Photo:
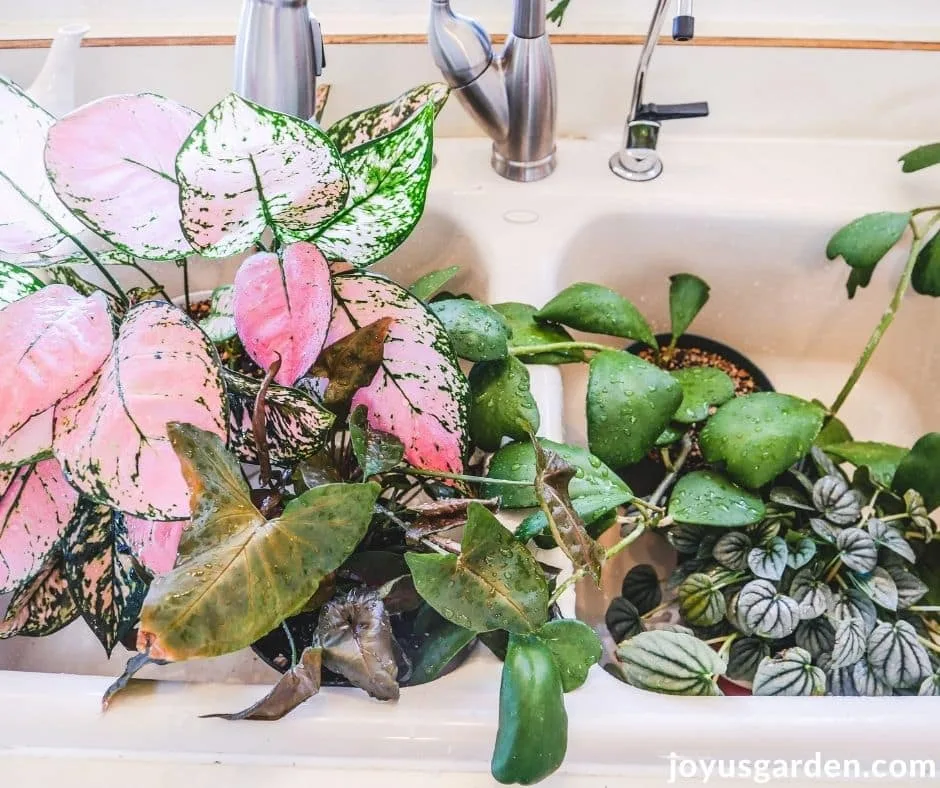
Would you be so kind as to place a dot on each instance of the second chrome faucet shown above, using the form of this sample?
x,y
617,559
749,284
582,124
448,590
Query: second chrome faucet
x,y
511,95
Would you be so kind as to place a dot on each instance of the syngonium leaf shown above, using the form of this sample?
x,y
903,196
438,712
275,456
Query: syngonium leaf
x,y
427,285
591,307
896,655
296,425
629,404
881,459
552,477
388,185
16,283
294,687
501,403
245,169
687,295
282,307
526,331
219,323
350,363
919,470
477,331
759,436
575,648
495,583
767,612
708,498
111,436
702,388
376,451
112,162
789,673
672,663
356,637
641,586
208,605
863,242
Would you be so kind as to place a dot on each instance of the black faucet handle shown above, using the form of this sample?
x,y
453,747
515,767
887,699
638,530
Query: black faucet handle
x,y
658,112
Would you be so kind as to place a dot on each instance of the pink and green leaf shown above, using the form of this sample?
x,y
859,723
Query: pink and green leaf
x,y
282,306
29,443
155,543
111,434
419,394
54,340
245,169
113,163
35,510
16,283
42,605
219,324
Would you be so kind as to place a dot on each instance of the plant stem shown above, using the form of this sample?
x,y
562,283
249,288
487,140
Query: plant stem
x,y
925,609
259,423
556,347
726,646
462,477
670,479
658,609
920,238
293,645
929,644
622,545
184,264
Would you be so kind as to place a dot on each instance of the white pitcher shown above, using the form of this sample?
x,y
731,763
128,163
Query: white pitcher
x,y
54,87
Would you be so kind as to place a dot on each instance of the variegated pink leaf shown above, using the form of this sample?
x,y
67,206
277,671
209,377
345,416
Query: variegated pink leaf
x,y
53,341
16,283
419,393
35,511
43,604
283,307
245,168
155,543
111,434
29,443
33,219
113,162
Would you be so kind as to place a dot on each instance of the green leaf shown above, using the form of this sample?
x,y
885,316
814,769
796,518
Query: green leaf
x,y
745,656
858,278
833,431
700,601
850,643
526,331
16,283
857,550
376,451
629,404
890,538
791,672
388,185
494,583
427,285
920,157
812,595
477,331
641,586
925,278
930,687
708,498
687,295
42,605
444,642
769,560
759,436
622,619
816,636
501,403
599,310
767,612
896,655
208,605
878,586
852,603
702,387
920,470
864,241
669,436
881,459
294,687
575,648
219,323
671,663
732,549
800,550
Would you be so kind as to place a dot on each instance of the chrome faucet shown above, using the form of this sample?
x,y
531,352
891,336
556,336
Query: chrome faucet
x,y
637,159
512,95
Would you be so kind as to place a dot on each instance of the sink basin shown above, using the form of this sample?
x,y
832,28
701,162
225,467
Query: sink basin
x,y
753,219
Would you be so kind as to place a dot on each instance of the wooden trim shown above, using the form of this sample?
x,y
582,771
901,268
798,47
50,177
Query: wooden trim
x,y
563,39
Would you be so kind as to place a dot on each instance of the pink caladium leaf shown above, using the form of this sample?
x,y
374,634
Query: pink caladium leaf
x,y
155,543
111,434
54,340
29,443
113,163
419,393
282,308
245,169
35,510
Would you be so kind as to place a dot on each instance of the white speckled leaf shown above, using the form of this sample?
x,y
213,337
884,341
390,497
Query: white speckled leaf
x,y
369,124
388,184
16,283
53,341
219,324
297,426
42,605
419,394
35,510
112,162
245,168
111,434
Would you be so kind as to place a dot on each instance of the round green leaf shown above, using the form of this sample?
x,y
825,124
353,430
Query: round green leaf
x,y
881,459
477,331
890,538
878,586
732,549
702,387
444,642
852,603
623,620
501,403
629,404
816,635
687,295
526,331
575,648
920,470
789,673
700,602
745,656
863,242
599,310
708,498
896,656
769,560
672,663
925,278
857,550
641,587
812,596
759,436
766,612
850,643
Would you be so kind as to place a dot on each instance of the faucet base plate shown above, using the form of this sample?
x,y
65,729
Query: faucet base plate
x,y
523,171
653,168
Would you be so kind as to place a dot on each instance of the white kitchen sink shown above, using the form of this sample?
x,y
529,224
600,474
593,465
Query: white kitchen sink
x,y
753,219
